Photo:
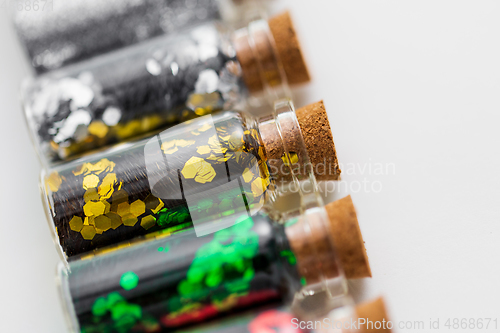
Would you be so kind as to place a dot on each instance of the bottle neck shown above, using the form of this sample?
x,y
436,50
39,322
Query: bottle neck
x,y
261,66
318,262
284,145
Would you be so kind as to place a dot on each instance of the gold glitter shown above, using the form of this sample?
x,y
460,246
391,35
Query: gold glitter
x,y
103,165
172,146
129,129
203,111
247,175
123,209
257,187
202,150
129,220
219,158
89,220
202,129
153,203
151,122
107,206
195,99
199,169
54,181
255,134
76,224
214,144
116,220
90,181
106,188
236,142
148,222
92,208
137,208
88,232
102,222
294,158
98,128
119,196
91,195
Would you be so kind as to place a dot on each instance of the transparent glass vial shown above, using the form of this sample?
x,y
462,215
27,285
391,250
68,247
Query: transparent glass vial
x,y
59,33
149,86
202,174
174,282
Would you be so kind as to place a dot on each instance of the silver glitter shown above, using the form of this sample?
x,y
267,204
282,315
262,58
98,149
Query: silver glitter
x,y
175,68
153,67
72,123
111,116
76,30
207,82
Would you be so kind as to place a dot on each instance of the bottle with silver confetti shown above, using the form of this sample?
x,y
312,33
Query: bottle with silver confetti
x,y
201,174
153,85
58,33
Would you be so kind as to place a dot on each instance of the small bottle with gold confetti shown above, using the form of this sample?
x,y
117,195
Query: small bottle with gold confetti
x,y
201,174
147,87
182,280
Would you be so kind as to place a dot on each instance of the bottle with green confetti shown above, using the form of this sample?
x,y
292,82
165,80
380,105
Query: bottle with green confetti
x,y
177,281
202,174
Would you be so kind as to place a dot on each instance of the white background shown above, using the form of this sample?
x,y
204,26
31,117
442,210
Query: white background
x,y
413,84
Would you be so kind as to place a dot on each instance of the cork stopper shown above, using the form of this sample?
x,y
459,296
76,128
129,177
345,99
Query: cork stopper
x,y
348,239
289,49
318,138
315,253
375,312
259,59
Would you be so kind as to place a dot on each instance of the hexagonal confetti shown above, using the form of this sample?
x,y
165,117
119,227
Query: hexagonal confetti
x,y
153,203
76,224
148,222
92,208
129,220
91,195
90,181
88,232
102,222
116,220
137,208
123,209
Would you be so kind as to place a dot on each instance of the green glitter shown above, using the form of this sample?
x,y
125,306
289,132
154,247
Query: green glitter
x,y
231,251
303,281
124,314
129,280
290,256
100,307
291,222
164,249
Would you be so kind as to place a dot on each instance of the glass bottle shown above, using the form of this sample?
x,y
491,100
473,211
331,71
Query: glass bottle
x,y
203,173
152,85
67,32
177,281
278,318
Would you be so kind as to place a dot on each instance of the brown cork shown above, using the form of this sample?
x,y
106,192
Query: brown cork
x,y
314,251
319,150
259,63
374,312
289,49
318,138
348,239
316,246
